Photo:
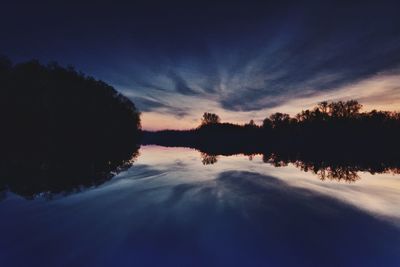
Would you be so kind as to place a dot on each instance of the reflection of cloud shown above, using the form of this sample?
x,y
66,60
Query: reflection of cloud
x,y
266,218
377,195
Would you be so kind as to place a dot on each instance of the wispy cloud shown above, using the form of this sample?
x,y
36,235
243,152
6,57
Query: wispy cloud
x,y
283,58
181,86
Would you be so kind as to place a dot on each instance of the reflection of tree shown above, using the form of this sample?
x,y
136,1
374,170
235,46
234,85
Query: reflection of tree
x,y
324,171
338,173
333,140
208,159
345,173
274,160
332,169
61,176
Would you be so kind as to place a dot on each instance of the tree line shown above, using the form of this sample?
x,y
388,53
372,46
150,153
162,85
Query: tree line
x,y
324,112
333,124
335,136
61,129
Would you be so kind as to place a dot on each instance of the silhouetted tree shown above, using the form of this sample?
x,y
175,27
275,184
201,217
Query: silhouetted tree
x,y
333,140
5,64
267,123
55,119
323,107
251,125
279,119
343,109
210,118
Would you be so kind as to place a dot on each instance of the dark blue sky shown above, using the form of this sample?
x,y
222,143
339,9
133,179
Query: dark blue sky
x,y
242,60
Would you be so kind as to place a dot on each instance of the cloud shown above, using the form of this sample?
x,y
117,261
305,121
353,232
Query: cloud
x,y
317,66
381,91
150,85
234,58
153,105
303,53
147,104
181,85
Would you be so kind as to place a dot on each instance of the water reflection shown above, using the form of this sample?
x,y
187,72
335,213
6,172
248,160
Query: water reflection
x,y
208,159
325,168
47,178
374,190
169,209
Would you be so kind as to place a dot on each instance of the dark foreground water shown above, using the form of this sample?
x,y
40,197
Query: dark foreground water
x,y
169,209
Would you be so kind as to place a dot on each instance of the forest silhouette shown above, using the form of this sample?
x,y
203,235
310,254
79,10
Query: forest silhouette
x,y
334,140
61,129
64,131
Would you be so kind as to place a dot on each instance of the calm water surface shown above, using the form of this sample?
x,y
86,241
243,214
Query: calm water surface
x,y
169,209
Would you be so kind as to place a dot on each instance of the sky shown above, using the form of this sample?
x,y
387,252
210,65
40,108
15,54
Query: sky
x,y
240,59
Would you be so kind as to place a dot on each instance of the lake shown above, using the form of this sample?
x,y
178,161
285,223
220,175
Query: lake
x,y
179,207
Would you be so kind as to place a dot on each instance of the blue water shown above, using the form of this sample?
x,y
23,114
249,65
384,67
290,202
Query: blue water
x,y
169,209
